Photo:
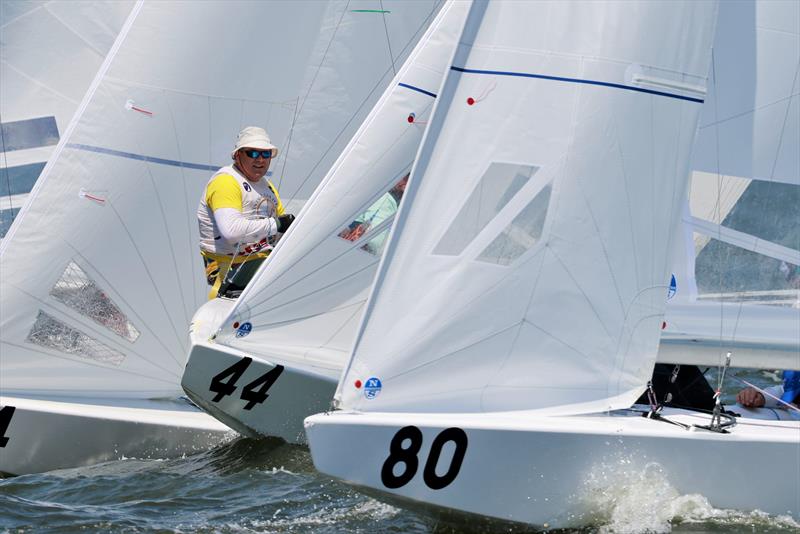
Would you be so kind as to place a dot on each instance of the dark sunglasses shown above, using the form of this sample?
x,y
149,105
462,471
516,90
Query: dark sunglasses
x,y
253,154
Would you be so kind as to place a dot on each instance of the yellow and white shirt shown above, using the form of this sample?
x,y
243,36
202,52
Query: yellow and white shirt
x,y
234,211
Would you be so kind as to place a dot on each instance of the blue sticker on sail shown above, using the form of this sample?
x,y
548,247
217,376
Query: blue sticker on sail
x,y
244,329
372,387
673,287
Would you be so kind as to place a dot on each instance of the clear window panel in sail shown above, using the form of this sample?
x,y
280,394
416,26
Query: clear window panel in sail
x,y
494,190
78,291
521,234
379,211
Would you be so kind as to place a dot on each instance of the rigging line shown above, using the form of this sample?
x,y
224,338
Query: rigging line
x,y
388,41
5,165
653,197
783,128
104,338
717,210
119,298
322,61
748,112
85,361
288,145
360,106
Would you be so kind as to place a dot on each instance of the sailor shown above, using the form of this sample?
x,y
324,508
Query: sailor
x,y
240,214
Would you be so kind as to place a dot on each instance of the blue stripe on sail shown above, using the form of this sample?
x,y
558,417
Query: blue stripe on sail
x,y
577,80
417,89
141,157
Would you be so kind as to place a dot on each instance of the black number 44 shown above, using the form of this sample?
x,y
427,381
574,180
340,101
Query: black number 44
x,y
224,383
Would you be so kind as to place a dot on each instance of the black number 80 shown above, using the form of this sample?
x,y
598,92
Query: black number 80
x,y
408,456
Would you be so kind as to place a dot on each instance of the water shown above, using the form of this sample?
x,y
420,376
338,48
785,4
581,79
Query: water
x,y
269,486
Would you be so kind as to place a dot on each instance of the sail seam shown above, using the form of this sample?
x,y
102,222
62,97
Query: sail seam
x,y
142,157
578,81
417,89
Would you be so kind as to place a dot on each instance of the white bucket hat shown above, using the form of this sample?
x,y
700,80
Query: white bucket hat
x,y
254,137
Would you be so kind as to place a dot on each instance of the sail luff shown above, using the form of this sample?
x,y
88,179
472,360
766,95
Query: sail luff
x,y
432,131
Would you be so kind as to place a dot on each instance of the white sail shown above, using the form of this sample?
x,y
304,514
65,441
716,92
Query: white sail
x,y
736,266
307,301
101,273
49,55
528,264
528,269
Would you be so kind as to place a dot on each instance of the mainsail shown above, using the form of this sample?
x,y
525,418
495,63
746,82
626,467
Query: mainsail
x,y
101,272
49,55
529,261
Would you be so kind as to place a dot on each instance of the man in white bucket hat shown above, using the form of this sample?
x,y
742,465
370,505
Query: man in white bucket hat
x,y
240,214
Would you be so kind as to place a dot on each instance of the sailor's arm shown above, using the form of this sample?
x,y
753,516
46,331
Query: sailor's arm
x,y
235,228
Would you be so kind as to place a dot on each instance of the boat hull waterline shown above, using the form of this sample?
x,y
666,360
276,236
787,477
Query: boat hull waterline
x,y
42,435
543,471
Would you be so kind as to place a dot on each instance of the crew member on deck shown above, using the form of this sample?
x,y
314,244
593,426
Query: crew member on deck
x,y
240,214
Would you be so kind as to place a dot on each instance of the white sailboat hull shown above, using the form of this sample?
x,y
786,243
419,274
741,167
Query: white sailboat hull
x,y
534,469
293,391
47,434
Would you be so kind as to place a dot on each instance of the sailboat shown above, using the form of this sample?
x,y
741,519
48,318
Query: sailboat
x,y
510,331
303,311
265,361
100,272
739,240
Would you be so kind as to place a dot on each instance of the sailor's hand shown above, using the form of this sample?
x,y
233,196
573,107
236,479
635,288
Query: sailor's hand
x,y
750,398
284,222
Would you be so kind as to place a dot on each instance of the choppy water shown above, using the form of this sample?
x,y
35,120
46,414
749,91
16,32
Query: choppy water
x,y
268,486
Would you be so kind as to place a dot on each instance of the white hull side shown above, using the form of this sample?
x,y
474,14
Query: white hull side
x,y
44,435
298,391
534,469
